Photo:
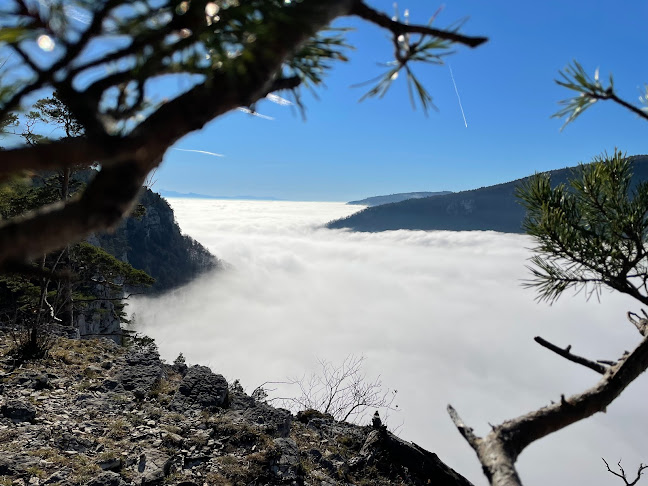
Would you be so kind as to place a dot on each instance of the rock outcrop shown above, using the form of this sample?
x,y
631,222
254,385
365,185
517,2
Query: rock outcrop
x,y
200,389
151,240
104,415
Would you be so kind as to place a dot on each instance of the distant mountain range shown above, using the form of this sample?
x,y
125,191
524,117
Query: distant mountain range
x,y
394,198
488,208
193,195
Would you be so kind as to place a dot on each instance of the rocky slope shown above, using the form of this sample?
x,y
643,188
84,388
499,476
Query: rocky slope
x,y
98,414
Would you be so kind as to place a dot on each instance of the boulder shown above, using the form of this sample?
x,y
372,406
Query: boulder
x,y
201,389
275,421
393,456
153,466
18,411
15,464
142,372
107,479
286,466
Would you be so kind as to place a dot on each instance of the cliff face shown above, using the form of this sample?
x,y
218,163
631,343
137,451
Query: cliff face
x,y
151,240
98,414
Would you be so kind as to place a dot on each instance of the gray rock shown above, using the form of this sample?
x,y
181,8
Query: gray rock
x,y
192,461
153,466
277,421
111,464
42,382
14,464
57,478
107,479
18,411
73,442
109,384
142,372
286,467
201,389
386,452
239,400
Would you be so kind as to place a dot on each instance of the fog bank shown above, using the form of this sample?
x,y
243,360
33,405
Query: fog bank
x,y
441,316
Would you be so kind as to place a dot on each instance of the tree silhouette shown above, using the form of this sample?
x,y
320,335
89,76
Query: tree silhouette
x,y
233,54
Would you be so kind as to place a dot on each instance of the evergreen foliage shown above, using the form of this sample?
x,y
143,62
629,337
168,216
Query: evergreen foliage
x,y
590,233
60,286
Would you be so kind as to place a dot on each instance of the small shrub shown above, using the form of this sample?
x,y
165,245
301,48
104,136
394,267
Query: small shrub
x,y
32,342
117,429
35,471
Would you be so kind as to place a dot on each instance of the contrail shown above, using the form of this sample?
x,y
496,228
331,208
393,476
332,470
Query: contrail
x,y
199,152
458,97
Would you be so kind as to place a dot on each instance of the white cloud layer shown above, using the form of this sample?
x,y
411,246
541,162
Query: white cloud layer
x,y
441,316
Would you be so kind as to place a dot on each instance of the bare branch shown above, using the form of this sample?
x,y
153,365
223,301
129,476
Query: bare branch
x,y
93,299
284,84
641,323
464,430
68,152
364,11
565,353
621,474
342,391
499,450
611,95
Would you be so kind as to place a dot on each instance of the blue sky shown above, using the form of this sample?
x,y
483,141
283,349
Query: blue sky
x,y
347,150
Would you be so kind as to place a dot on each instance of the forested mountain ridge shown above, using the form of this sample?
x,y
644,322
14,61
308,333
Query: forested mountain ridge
x,y
493,208
392,198
151,240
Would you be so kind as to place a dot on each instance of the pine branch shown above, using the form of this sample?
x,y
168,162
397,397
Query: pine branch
x,y
365,12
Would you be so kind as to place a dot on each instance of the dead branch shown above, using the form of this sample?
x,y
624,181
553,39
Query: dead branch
x,y
565,353
641,323
622,474
499,450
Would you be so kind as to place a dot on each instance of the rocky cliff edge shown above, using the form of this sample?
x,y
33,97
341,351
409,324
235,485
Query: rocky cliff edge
x,y
97,414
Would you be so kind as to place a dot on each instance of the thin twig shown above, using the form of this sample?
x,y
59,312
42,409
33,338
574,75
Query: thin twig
x,y
565,353
622,473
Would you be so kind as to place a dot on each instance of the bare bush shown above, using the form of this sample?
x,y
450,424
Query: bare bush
x,y
622,474
343,391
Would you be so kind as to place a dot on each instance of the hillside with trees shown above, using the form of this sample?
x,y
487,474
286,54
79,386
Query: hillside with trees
x,y
494,208
82,289
151,240
394,198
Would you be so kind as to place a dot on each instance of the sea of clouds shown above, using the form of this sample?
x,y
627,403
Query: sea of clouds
x,y
441,316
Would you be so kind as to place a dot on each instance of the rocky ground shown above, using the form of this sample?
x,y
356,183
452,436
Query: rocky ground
x,y
94,413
